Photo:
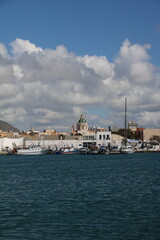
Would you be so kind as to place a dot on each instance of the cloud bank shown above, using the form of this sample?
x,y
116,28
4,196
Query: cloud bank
x,y
50,88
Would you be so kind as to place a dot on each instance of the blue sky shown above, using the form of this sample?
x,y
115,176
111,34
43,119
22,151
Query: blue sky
x,y
84,26
89,30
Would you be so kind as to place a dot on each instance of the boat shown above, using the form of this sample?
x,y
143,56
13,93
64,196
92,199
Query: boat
x,y
103,150
93,150
127,149
114,149
84,150
67,150
31,150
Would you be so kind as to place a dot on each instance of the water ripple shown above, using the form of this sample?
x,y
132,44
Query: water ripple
x,y
80,197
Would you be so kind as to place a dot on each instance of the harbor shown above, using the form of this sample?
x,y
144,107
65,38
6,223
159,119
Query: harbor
x,y
83,140
76,147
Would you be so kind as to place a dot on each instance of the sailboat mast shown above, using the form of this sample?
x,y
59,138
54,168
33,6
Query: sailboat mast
x,y
125,130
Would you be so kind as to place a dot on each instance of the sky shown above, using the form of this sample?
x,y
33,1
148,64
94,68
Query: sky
x,y
63,58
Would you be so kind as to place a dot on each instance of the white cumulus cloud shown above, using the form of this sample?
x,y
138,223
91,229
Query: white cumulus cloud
x,y
19,46
44,88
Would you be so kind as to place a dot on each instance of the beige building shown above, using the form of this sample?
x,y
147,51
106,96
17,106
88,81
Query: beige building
x,y
49,132
8,134
149,133
116,137
3,133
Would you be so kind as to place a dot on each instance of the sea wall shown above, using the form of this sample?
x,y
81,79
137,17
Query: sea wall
x,y
52,144
9,142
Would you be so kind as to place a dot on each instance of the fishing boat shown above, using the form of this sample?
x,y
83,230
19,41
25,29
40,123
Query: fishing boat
x,y
31,150
67,150
93,150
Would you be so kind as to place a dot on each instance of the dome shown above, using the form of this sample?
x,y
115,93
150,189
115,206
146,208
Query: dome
x,y
82,119
82,124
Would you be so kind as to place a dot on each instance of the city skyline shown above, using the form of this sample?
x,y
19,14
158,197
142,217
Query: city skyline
x,y
60,59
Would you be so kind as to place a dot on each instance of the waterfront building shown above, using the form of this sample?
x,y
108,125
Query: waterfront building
x,y
117,138
97,139
150,133
92,136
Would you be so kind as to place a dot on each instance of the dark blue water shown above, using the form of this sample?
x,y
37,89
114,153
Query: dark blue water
x,y
57,197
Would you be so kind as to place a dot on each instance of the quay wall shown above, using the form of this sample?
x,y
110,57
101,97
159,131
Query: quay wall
x,y
6,142
52,144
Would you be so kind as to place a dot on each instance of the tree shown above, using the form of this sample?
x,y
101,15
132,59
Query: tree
x,y
130,134
155,138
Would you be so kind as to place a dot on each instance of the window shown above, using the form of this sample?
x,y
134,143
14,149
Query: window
x,y
107,137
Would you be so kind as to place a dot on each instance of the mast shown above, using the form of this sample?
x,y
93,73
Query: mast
x,y
125,129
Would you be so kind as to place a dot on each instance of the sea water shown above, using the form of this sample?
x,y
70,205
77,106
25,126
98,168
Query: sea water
x,y
80,197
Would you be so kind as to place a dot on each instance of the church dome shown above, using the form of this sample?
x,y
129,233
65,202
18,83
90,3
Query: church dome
x,y
82,119
82,124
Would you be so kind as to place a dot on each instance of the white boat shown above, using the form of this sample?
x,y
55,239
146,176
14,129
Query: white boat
x,y
127,149
84,150
31,150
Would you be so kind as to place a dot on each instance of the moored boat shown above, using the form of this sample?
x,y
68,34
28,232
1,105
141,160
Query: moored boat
x,y
93,150
127,149
103,150
31,150
67,150
84,150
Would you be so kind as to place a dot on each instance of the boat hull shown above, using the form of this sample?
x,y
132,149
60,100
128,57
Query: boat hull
x,y
127,150
65,151
31,152
93,152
